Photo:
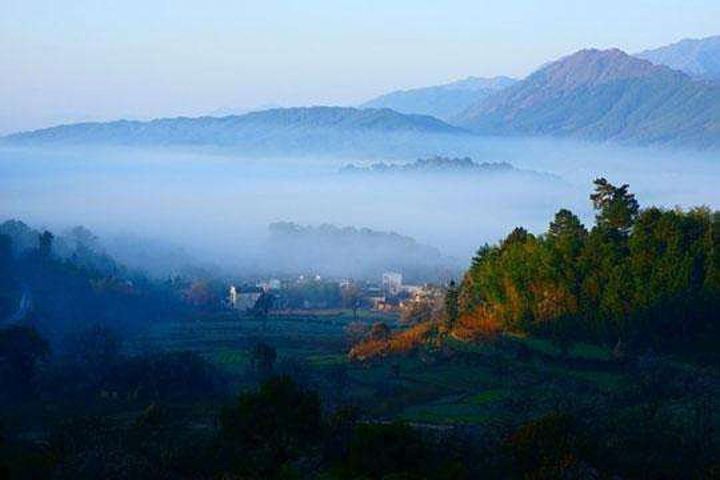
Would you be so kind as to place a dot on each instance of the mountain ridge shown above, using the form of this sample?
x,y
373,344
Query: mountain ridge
x,y
442,101
603,95
699,58
236,128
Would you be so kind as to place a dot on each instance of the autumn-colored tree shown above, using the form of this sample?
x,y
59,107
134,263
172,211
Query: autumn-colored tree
x,y
651,275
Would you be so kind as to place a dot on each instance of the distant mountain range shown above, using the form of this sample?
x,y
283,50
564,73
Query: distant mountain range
x,y
603,95
236,128
597,95
442,101
292,129
699,58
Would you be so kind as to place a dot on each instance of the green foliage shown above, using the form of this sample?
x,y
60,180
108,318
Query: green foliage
x,y
95,346
263,305
268,429
262,360
549,448
21,349
451,304
45,243
4,470
377,450
397,451
617,208
651,276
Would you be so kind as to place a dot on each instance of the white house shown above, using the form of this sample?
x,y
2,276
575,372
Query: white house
x,y
392,283
243,298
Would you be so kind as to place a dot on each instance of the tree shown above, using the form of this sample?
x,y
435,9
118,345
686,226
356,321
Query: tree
x,y
518,236
420,310
6,251
387,451
6,262
45,244
21,349
650,276
262,306
94,350
356,332
452,309
262,360
351,298
550,447
265,430
380,331
4,470
95,345
566,226
617,207
199,294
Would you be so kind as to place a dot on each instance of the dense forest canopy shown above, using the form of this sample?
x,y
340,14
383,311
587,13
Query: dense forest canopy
x,y
638,275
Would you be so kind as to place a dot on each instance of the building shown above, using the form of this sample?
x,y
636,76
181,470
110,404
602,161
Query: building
x,y
271,285
392,283
243,298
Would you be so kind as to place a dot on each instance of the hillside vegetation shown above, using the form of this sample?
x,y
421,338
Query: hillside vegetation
x,y
638,278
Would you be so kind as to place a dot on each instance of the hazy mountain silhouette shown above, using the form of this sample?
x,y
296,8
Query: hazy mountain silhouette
x,y
699,58
604,95
441,101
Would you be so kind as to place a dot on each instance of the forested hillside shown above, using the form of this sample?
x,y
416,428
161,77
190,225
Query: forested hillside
x,y
637,279
644,276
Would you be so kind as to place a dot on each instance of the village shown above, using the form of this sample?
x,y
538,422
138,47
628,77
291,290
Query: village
x,y
408,303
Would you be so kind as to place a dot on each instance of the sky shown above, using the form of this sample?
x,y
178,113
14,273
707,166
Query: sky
x,y
76,60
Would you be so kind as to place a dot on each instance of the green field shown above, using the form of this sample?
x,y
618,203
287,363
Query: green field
x,y
488,385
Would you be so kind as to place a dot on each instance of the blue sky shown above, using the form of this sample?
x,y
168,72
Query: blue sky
x,y
70,60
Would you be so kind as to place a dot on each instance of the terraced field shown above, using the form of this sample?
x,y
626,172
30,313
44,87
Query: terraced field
x,y
493,385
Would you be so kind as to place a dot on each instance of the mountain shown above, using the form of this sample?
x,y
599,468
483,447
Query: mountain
x,y
311,129
699,58
443,101
604,96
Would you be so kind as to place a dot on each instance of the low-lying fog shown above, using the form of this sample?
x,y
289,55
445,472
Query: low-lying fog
x,y
217,205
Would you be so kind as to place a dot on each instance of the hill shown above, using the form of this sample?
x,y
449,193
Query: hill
x,y
441,101
360,253
699,58
604,96
434,166
291,130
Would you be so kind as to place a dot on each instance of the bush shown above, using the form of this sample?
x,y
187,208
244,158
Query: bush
x,y
269,428
21,350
